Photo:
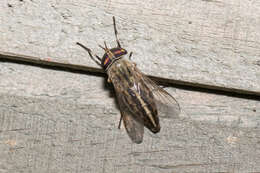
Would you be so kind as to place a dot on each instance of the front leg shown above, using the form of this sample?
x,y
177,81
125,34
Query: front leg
x,y
108,80
119,125
130,55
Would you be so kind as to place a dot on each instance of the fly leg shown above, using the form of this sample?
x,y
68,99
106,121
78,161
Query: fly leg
x,y
130,55
119,125
108,80
97,60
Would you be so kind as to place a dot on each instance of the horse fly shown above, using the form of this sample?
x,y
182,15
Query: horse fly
x,y
139,98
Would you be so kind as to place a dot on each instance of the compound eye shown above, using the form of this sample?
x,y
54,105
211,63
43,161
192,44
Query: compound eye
x,y
123,51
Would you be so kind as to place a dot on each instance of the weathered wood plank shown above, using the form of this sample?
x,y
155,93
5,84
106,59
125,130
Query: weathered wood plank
x,y
53,121
209,42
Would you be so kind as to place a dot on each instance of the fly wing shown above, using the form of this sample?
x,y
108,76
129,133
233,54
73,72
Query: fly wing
x,y
134,127
166,104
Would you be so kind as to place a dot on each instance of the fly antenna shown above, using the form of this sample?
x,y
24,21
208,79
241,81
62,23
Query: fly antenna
x,y
104,48
105,45
90,54
116,33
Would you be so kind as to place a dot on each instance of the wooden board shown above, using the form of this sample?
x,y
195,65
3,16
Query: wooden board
x,y
54,121
199,41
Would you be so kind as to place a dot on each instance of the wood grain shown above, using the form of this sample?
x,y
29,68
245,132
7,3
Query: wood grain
x,y
72,137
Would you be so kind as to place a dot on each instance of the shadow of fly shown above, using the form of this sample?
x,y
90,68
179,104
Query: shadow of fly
x,y
140,99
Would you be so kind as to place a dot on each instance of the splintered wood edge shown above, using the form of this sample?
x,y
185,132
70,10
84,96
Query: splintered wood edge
x,y
7,56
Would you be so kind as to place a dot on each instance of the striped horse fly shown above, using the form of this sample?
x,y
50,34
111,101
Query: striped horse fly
x,y
139,98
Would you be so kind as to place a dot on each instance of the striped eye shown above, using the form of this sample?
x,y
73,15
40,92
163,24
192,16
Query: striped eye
x,y
106,60
117,53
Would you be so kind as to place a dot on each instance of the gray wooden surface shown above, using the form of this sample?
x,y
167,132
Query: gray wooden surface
x,y
214,42
56,121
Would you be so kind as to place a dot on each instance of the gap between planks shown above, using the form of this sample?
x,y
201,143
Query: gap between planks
x,y
46,63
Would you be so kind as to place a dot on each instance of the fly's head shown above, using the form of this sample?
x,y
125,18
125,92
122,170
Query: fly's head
x,y
110,56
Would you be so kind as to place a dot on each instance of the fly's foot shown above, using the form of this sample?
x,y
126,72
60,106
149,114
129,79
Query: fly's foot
x,y
130,55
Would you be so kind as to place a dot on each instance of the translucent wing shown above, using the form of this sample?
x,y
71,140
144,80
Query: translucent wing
x,y
166,104
134,127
